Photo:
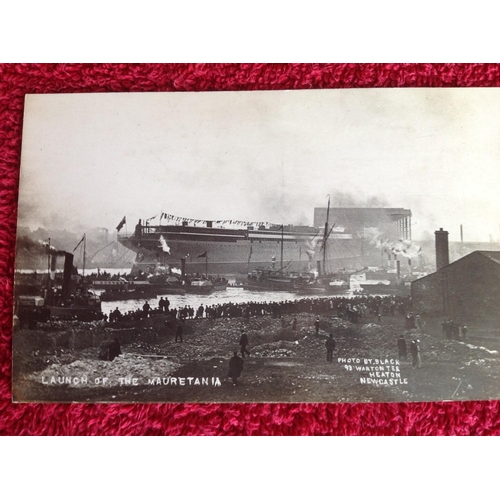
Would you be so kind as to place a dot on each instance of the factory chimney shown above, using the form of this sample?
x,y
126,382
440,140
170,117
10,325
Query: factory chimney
x,y
442,251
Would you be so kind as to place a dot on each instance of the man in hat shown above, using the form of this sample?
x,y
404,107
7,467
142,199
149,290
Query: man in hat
x,y
235,368
415,354
316,325
330,347
178,332
243,344
402,348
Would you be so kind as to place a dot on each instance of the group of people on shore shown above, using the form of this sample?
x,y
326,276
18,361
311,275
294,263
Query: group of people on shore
x,y
454,330
349,308
415,351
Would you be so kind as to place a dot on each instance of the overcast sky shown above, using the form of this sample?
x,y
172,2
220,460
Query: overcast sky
x,y
90,159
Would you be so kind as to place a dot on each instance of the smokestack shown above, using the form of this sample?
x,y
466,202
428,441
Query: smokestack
x,y
68,271
183,268
318,263
442,251
461,234
398,270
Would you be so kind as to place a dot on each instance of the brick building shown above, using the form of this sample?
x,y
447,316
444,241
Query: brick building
x,y
467,290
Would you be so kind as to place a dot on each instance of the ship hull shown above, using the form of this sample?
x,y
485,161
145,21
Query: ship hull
x,y
241,251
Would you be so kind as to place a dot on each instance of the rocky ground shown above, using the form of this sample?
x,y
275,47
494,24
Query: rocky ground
x,y
61,362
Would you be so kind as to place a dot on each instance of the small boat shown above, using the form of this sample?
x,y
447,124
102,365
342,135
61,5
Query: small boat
x,y
220,284
324,286
203,285
268,279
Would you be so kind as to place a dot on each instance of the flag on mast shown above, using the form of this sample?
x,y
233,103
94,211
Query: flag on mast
x,y
204,254
122,223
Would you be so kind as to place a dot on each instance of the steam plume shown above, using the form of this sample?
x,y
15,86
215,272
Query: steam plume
x,y
164,245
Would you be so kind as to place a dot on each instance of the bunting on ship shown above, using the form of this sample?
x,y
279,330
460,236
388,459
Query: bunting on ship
x,y
175,218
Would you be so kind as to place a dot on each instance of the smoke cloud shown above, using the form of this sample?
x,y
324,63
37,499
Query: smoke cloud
x,y
404,248
346,199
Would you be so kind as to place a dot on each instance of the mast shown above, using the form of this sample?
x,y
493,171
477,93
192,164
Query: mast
x,y
84,248
281,265
48,265
325,237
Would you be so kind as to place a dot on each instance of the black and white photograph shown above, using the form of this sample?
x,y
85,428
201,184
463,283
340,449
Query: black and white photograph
x,y
337,245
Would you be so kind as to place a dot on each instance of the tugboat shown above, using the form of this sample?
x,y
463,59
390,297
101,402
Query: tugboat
x,y
269,279
262,279
71,300
163,284
391,284
326,285
201,284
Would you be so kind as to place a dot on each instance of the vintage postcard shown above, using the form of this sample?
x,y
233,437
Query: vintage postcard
x,y
280,246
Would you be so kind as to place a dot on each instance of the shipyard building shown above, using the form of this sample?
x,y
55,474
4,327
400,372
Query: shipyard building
x,y
467,290
393,222
373,227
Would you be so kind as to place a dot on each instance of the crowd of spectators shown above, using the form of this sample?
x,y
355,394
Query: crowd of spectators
x,y
349,308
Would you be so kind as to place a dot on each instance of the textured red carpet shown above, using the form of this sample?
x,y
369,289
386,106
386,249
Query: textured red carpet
x,y
16,80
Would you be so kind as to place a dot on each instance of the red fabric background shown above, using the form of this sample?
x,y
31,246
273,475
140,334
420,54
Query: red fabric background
x,y
16,80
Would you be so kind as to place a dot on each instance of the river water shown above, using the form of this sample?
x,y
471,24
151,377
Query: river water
x,y
231,294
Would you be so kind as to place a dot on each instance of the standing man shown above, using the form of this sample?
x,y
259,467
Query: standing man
x,y
415,354
243,344
330,347
419,357
178,332
419,322
294,324
161,304
316,325
402,348
235,368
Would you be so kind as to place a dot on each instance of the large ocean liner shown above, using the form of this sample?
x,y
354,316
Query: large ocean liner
x,y
232,247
